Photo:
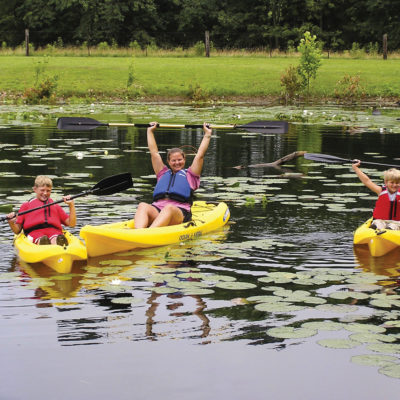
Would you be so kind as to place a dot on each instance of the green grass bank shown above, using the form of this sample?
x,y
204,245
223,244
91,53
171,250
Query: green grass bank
x,y
195,78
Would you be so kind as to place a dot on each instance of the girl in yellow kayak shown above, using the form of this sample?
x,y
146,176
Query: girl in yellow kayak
x,y
173,194
386,214
43,226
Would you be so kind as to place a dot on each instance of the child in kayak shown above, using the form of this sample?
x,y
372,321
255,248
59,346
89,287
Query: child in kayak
x,y
172,197
386,214
43,226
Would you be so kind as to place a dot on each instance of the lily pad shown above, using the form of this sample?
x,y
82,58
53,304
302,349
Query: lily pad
x,y
235,285
372,338
115,262
288,332
323,325
364,328
377,360
393,348
391,370
278,307
338,343
127,300
335,308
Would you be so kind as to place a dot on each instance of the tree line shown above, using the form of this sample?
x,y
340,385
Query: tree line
x,y
235,24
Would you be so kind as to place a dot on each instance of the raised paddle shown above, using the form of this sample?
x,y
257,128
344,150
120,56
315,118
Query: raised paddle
x,y
325,158
109,185
87,124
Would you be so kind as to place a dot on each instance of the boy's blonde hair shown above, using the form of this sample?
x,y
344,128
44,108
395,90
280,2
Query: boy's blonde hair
x,y
42,180
391,174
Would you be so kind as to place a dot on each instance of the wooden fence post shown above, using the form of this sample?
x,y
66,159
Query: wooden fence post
x,y
207,42
384,46
27,42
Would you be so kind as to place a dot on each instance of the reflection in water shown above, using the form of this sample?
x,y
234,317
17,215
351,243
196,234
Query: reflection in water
x,y
388,265
286,261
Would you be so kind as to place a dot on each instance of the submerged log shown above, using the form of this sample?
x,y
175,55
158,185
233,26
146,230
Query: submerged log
x,y
276,163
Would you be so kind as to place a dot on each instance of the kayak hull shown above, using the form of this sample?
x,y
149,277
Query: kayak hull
x,y
121,236
379,242
58,258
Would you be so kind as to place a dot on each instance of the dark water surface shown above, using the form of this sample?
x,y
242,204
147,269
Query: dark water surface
x,y
278,304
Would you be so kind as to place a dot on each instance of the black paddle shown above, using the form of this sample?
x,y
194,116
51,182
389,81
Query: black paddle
x,y
325,158
109,185
87,124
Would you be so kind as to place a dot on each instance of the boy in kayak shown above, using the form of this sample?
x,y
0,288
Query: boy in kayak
x,y
43,226
386,213
173,194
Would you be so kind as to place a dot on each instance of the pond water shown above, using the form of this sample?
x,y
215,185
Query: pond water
x,y
277,304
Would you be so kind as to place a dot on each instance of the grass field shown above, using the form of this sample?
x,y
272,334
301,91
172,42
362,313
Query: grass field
x,y
223,77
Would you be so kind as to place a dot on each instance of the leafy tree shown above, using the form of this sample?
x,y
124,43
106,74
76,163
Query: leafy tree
x,y
310,59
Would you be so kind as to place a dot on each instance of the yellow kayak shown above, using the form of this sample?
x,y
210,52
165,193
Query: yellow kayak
x,y
59,258
121,236
379,242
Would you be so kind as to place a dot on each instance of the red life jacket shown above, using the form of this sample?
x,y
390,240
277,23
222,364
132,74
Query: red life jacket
x,y
46,217
386,209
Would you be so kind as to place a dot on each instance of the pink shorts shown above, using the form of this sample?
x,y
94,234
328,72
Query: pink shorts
x,y
35,235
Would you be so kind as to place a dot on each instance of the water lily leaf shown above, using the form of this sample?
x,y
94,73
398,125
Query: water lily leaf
x,y
338,343
163,290
278,307
335,308
278,274
115,262
127,300
342,295
392,324
362,328
372,338
323,325
197,291
391,370
288,332
377,360
268,279
110,270
115,288
309,282
9,276
193,275
264,299
235,285
393,348
186,284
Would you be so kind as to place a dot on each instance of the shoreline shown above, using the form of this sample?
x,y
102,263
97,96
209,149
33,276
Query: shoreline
x,y
268,100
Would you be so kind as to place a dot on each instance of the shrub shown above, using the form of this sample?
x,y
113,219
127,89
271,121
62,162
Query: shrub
x,y
199,49
356,51
197,94
291,83
44,91
103,46
349,88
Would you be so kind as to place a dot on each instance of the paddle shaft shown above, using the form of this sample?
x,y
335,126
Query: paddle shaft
x,y
333,159
83,123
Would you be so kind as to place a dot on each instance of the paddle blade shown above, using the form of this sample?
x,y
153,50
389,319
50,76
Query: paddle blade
x,y
326,158
113,184
78,123
266,127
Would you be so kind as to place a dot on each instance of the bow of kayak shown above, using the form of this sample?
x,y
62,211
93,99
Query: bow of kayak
x,y
121,236
58,258
380,242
